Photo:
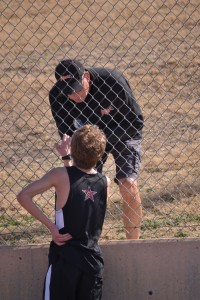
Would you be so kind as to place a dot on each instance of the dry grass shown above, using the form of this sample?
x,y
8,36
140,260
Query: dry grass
x,y
156,46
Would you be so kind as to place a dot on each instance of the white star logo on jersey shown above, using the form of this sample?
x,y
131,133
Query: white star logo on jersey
x,y
89,194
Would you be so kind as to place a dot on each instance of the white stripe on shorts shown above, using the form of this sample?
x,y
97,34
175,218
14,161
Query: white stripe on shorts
x,y
47,284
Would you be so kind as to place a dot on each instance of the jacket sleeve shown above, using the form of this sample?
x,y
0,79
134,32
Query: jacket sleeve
x,y
124,101
59,112
127,113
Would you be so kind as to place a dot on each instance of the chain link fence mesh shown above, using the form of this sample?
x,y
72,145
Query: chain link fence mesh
x,y
155,44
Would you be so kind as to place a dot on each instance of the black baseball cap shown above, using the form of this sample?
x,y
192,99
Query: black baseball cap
x,y
74,71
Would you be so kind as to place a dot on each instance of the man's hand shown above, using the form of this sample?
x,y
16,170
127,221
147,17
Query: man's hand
x,y
107,110
64,147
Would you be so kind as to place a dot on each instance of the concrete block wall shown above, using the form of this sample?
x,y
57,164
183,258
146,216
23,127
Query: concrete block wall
x,y
134,270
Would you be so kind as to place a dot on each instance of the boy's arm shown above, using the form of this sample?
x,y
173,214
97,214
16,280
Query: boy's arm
x,y
64,149
25,198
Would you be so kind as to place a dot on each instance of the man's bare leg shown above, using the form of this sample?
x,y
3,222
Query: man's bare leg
x,y
132,208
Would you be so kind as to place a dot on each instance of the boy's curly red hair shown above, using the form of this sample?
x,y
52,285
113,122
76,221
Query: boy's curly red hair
x,y
87,146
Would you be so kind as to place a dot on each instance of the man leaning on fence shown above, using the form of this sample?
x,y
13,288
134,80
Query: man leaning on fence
x,y
103,97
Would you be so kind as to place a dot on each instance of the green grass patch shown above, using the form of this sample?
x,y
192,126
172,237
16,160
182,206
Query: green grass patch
x,y
6,221
170,221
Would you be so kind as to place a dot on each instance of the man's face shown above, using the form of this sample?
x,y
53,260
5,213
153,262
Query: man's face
x,y
81,95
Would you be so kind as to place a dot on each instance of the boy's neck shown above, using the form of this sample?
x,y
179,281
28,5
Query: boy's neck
x,y
88,171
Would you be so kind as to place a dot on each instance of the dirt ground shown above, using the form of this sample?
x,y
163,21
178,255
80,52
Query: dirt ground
x,y
156,46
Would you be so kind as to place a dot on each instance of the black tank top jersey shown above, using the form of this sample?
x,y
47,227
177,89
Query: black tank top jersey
x,y
83,217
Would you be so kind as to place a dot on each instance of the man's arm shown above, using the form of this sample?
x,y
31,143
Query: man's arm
x,y
108,186
25,198
59,112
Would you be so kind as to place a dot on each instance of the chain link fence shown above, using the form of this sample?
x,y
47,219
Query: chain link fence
x,y
155,44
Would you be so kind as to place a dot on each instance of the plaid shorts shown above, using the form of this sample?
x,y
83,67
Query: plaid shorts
x,y
127,156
